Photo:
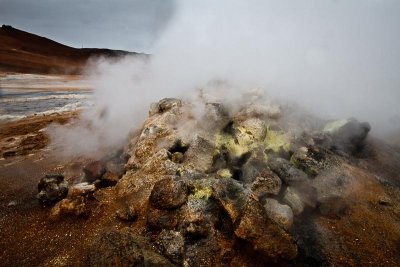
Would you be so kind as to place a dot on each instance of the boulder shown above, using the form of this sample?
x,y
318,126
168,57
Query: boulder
x,y
266,183
280,213
263,234
93,171
52,188
168,193
231,196
200,153
293,200
289,174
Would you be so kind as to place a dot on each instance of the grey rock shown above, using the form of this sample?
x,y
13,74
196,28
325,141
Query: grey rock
x,y
289,174
52,188
280,213
200,154
293,200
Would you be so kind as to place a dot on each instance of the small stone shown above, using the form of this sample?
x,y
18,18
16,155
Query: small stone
x,y
12,203
385,201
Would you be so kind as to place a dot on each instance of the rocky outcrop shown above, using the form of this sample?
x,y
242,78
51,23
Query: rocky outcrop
x,y
205,198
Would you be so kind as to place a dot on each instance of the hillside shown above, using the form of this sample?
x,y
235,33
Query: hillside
x,y
25,52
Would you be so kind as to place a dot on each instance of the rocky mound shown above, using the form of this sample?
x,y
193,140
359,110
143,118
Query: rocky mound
x,y
219,189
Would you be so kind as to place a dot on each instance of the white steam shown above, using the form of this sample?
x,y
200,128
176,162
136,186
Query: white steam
x,y
335,58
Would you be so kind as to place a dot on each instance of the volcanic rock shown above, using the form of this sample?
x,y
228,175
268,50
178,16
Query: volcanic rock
x,y
293,200
123,248
70,207
164,105
231,196
93,171
81,189
200,153
168,194
162,219
287,172
263,234
171,245
52,188
266,183
281,214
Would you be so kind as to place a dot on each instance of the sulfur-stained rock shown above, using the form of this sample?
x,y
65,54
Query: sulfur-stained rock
x,y
52,188
168,193
281,214
263,234
266,183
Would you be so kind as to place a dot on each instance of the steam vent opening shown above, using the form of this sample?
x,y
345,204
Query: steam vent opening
x,y
247,133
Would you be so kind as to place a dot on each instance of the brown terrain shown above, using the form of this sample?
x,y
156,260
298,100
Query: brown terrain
x,y
25,52
168,199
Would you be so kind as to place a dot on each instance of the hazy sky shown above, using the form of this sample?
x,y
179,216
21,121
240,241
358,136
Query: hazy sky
x,y
119,24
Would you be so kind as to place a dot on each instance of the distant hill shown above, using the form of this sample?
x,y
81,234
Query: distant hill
x,y
25,52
